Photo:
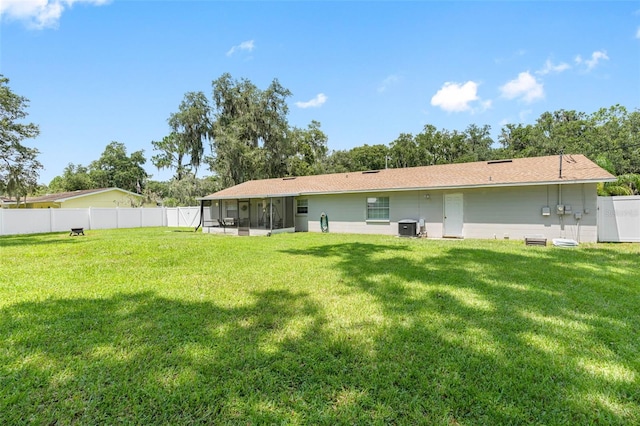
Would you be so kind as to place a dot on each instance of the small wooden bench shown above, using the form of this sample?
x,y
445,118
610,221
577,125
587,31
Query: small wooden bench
x,y
76,231
535,240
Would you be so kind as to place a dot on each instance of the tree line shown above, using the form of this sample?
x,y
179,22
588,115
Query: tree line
x,y
242,133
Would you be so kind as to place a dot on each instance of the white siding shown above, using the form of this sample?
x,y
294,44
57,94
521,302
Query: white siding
x,y
516,212
508,212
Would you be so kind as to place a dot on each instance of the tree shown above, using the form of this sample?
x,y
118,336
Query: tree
x,y
115,169
73,178
369,157
191,126
172,153
479,143
404,151
18,164
250,130
309,151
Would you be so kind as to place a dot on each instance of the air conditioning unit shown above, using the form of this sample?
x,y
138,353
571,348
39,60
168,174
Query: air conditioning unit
x,y
407,228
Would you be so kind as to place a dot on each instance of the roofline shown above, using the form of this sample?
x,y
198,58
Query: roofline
x,y
424,188
61,200
235,197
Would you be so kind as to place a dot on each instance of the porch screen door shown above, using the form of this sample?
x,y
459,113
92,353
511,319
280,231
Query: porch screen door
x,y
243,217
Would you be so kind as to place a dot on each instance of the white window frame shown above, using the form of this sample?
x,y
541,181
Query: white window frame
x,y
370,207
306,206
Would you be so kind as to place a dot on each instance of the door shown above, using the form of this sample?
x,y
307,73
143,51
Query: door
x,y
243,217
453,215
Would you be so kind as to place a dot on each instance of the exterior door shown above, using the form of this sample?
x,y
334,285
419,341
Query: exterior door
x,y
243,217
453,215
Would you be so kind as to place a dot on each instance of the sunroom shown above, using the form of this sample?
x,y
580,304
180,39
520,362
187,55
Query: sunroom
x,y
248,216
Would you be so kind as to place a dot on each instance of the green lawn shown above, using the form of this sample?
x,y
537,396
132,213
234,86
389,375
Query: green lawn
x,y
161,326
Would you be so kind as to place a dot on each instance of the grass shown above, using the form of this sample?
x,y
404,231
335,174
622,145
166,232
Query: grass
x,y
156,326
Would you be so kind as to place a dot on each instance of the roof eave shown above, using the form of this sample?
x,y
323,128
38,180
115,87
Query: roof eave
x,y
239,197
413,188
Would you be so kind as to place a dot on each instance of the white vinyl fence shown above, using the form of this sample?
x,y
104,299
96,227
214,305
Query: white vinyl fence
x,y
36,221
619,219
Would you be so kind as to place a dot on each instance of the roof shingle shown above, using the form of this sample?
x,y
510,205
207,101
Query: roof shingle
x,y
515,172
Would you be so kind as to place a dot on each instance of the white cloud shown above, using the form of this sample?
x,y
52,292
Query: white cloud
x,y
40,14
388,82
638,33
245,45
550,67
455,97
525,87
320,99
596,57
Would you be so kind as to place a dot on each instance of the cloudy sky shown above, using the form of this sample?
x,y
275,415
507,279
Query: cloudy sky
x,y
98,71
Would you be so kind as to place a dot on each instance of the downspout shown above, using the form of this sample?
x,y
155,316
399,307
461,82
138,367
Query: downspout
x,y
201,216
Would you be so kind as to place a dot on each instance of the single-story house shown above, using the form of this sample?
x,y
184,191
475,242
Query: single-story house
x,y
6,202
84,198
551,197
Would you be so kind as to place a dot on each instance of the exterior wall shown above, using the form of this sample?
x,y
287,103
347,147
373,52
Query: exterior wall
x,y
516,212
347,212
508,212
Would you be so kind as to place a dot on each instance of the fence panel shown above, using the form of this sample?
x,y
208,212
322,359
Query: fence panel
x,y
129,218
26,221
153,217
104,218
35,221
619,219
65,219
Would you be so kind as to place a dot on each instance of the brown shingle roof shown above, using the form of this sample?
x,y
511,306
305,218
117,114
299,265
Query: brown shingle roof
x,y
515,172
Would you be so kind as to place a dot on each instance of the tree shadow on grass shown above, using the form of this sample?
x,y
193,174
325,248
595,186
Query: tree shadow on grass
x,y
140,358
466,337
39,239
495,337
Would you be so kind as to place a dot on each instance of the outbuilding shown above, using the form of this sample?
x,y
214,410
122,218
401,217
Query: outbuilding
x,y
551,196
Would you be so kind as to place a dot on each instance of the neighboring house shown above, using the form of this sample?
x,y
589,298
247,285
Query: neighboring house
x,y
6,202
553,197
102,197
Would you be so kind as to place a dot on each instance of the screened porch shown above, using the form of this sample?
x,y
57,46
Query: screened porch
x,y
251,216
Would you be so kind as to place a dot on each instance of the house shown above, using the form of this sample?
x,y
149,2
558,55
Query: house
x,y
102,197
552,196
6,202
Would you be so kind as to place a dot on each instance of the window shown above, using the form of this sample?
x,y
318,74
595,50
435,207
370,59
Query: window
x,y
302,206
378,208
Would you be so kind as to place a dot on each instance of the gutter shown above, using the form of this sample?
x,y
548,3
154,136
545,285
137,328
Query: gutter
x,y
407,189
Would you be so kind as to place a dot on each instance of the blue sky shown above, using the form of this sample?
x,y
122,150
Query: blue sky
x,y
99,71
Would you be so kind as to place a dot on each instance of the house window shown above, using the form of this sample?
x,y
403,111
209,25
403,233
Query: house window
x,y
302,206
378,208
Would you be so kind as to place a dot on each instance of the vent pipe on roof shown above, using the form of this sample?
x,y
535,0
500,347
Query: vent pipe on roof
x,y
560,165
